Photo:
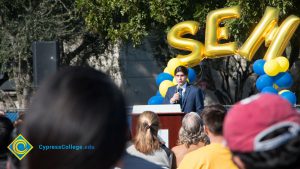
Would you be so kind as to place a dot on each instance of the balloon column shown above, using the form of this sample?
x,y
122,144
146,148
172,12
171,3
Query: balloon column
x,y
274,78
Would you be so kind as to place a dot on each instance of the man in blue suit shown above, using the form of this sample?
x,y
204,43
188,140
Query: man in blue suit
x,y
188,96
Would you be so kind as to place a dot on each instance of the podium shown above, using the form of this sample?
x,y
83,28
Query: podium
x,y
170,117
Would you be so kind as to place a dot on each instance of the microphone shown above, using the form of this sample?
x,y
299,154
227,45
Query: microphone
x,y
178,89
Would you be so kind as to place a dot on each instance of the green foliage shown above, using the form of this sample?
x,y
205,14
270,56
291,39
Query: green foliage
x,y
131,20
252,12
25,21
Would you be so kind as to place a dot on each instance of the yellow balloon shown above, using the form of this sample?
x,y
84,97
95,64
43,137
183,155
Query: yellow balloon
x,y
163,87
282,37
214,33
260,33
282,91
174,81
167,70
272,67
283,62
175,40
173,64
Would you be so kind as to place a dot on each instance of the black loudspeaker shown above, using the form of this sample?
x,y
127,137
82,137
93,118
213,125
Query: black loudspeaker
x,y
45,60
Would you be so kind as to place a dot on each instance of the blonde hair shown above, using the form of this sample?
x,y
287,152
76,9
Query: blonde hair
x,y
146,140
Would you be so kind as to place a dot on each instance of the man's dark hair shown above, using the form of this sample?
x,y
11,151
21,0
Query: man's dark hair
x,y
213,117
284,157
182,69
81,107
6,128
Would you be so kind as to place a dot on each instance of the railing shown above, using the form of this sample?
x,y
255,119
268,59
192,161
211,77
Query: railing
x,y
14,113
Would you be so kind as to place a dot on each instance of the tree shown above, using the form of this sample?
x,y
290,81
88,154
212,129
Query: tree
x,y
133,20
25,21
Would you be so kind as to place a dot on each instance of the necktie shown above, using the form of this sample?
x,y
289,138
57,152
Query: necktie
x,y
180,96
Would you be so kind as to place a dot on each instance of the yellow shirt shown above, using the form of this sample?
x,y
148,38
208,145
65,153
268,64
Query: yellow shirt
x,y
212,156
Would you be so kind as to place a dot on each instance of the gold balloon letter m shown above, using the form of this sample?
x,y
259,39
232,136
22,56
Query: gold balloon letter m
x,y
276,38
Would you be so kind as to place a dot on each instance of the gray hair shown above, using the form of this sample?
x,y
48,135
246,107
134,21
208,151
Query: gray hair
x,y
191,131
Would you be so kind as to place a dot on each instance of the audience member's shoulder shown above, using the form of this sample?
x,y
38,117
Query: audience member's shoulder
x,y
130,148
202,151
176,148
133,162
193,155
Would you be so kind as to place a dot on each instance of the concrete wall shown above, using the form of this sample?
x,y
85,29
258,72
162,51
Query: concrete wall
x,y
139,70
132,69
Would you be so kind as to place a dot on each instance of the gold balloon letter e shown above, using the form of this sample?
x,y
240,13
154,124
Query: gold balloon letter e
x,y
214,33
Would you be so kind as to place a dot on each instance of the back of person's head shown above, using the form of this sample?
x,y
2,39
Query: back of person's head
x,y
263,132
182,69
191,131
75,108
6,128
213,117
146,140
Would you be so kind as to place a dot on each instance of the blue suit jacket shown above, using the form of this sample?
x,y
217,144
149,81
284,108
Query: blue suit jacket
x,y
192,101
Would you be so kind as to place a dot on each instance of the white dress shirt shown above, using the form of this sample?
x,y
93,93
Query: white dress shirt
x,y
183,91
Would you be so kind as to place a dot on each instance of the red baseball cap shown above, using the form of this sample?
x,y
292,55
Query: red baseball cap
x,y
249,120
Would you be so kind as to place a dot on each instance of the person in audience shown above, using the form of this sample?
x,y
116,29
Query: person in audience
x,y
133,162
80,107
263,132
146,144
188,96
215,155
6,128
191,136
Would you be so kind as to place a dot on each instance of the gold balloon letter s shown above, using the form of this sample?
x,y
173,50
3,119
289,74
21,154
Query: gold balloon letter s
x,y
175,40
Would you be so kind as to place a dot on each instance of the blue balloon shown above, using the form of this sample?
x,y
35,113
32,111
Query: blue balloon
x,y
163,76
158,94
283,80
258,66
155,100
264,81
269,89
191,75
290,96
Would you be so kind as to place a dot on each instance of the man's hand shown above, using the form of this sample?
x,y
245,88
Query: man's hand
x,y
175,98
